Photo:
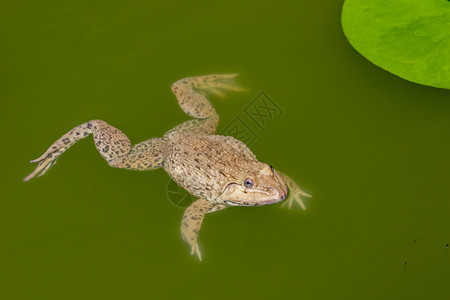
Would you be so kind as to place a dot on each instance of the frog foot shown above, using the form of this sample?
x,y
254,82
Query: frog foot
x,y
48,159
295,195
295,192
44,164
219,84
196,250
194,245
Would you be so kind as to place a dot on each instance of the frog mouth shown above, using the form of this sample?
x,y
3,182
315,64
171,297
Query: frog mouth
x,y
232,203
255,202
234,194
258,203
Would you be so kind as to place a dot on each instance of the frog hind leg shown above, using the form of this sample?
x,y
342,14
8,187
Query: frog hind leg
x,y
189,92
111,143
295,193
192,222
191,95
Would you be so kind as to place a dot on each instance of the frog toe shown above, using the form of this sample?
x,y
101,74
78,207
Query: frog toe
x,y
196,250
227,82
40,170
296,198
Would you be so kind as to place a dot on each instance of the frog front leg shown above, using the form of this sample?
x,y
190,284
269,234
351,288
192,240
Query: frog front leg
x,y
295,192
111,143
192,222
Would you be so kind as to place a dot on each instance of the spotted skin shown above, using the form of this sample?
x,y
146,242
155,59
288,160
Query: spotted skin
x,y
112,144
211,167
192,222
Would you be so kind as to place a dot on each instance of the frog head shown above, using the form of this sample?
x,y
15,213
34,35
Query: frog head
x,y
260,186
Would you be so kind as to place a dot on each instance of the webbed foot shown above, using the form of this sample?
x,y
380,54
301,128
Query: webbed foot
x,y
216,84
295,193
48,159
44,164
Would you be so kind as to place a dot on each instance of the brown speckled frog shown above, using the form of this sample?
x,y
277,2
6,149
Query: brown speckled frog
x,y
220,170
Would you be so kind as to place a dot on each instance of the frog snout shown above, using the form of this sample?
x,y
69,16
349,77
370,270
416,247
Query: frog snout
x,y
279,193
283,195
283,191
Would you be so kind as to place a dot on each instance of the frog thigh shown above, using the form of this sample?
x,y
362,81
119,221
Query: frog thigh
x,y
147,155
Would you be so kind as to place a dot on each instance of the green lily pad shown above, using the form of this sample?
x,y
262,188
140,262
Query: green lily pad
x,y
409,38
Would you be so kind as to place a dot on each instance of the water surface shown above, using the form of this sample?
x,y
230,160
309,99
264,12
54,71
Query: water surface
x,y
370,147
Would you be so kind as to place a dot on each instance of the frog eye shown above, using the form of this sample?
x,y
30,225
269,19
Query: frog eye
x,y
248,183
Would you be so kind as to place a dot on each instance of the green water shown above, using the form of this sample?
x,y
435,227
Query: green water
x,y
372,149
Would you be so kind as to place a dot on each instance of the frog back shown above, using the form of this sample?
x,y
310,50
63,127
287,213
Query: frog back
x,y
205,164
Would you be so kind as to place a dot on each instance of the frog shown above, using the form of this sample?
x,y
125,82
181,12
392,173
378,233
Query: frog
x,y
219,171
